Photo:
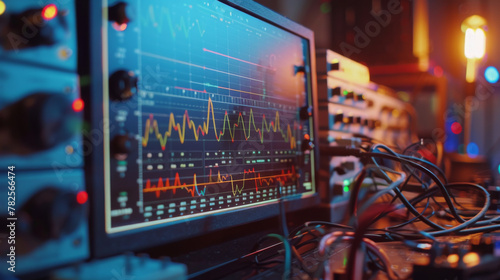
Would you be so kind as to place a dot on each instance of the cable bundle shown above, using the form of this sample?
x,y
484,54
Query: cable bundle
x,y
397,182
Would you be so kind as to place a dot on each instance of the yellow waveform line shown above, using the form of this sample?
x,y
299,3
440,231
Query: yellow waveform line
x,y
223,178
151,127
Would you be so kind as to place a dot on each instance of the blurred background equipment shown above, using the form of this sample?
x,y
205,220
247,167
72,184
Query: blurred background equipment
x,y
40,127
358,112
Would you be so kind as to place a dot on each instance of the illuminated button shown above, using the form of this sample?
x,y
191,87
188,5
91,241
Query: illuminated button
x,y
78,105
348,119
49,12
82,197
119,27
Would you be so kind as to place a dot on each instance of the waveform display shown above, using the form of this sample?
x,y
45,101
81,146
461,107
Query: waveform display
x,y
193,189
151,127
181,26
215,123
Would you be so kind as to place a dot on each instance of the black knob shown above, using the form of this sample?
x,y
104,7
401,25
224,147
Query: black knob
x,y
360,97
51,213
120,146
349,94
117,13
37,122
306,112
122,85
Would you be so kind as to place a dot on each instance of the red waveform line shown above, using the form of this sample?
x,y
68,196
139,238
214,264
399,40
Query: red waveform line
x,y
282,178
192,189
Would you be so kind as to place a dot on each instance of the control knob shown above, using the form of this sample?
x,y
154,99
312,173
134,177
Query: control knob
x,y
37,122
118,13
122,85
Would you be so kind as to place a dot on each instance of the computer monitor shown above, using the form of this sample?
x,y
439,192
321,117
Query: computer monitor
x,y
201,119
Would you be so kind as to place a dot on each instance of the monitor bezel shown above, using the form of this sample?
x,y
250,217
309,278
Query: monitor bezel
x,y
105,244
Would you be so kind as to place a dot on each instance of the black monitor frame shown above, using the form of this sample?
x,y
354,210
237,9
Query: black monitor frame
x,y
90,59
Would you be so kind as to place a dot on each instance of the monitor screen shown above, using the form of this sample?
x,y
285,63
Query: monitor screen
x,y
209,107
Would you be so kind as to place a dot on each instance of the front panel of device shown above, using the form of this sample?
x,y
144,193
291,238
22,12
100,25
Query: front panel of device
x,y
44,199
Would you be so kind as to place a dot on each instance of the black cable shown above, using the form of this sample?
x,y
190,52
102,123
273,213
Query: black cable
x,y
429,173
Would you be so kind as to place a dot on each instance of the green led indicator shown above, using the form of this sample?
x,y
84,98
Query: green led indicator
x,y
499,169
122,162
326,7
346,185
123,193
345,92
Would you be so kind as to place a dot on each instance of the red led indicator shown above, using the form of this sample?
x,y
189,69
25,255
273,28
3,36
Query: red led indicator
x,y
82,197
456,128
438,71
78,105
119,27
49,12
